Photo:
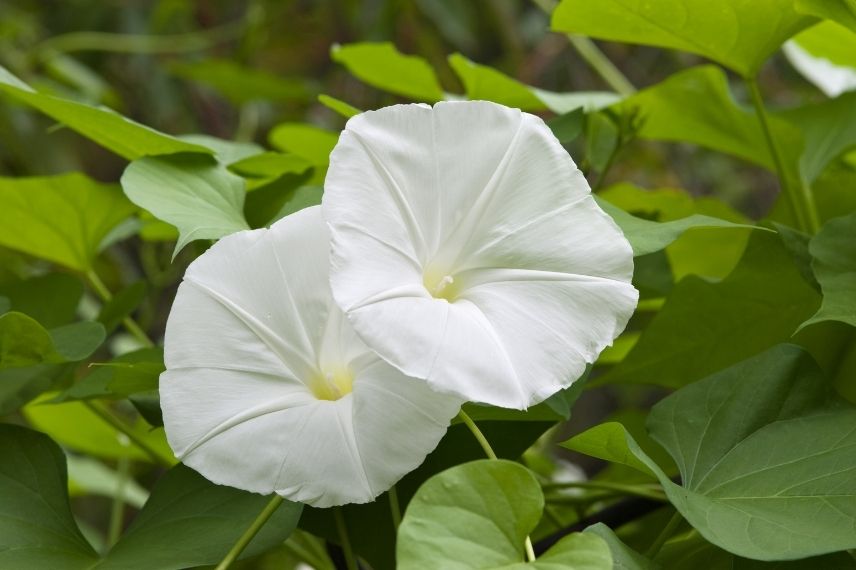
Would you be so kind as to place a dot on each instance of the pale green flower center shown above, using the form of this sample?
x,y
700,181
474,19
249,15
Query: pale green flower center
x,y
332,384
440,285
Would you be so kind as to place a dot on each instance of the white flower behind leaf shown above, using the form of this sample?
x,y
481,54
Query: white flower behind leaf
x,y
267,387
467,250
825,55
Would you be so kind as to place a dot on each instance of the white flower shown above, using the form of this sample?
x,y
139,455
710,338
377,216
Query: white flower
x,y
827,76
467,250
268,389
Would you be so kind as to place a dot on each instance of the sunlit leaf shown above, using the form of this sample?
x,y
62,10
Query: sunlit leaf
x,y
310,143
60,218
841,11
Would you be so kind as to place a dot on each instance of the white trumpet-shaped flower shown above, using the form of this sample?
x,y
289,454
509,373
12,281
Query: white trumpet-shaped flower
x,y
825,54
467,250
267,387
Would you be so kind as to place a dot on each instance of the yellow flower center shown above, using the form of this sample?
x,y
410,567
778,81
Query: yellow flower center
x,y
440,285
332,385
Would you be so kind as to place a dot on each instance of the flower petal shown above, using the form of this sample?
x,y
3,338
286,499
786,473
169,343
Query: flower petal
x,y
252,326
422,264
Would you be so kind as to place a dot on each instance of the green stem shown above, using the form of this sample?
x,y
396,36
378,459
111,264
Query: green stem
x,y
485,445
122,427
394,508
251,532
596,59
117,511
635,490
592,55
664,535
130,324
350,559
488,450
802,203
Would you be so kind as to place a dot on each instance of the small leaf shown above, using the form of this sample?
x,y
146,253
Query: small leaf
x,y
109,129
739,35
24,342
381,65
241,84
227,152
623,557
122,305
609,441
345,109
200,198
310,143
834,264
123,376
60,218
841,11
477,515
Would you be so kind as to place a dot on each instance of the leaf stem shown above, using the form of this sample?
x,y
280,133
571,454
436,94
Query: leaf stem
x,y
394,508
488,450
130,324
117,510
122,427
802,203
483,442
595,58
350,559
653,492
250,533
664,535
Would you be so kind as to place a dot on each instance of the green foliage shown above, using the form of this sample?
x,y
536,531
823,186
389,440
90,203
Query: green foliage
x,y
478,515
834,263
158,537
739,35
60,218
201,199
841,11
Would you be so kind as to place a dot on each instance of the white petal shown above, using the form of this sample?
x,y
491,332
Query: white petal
x,y
252,326
502,197
829,77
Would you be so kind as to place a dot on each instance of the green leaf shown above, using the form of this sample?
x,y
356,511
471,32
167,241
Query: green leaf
x,y
312,144
77,341
345,109
742,488
60,218
704,327
227,152
265,203
568,126
696,106
20,385
477,515
834,262
123,376
109,129
647,237
189,522
90,476
623,557
841,11
381,65
486,83
51,299
241,84
24,342
739,35
200,198
37,528
829,41
122,305
76,427
608,441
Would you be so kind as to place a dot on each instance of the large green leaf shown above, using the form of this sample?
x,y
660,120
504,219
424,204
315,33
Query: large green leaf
x,y
37,529
841,11
477,516
706,326
187,522
381,65
739,34
742,488
60,218
51,299
696,106
307,142
834,262
199,197
111,130
647,237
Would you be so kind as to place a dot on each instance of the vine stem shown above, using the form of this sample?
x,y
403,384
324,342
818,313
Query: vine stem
x,y
802,203
488,450
350,559
130,324
394,508
250,533
664,535
595,58
124,428
117,509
